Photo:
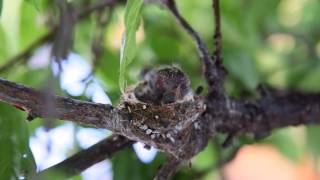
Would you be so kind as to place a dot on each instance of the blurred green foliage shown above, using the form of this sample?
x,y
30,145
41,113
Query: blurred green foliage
x,y
274,42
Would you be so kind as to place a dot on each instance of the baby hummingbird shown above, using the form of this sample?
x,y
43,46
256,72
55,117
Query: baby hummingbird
x,y
163,86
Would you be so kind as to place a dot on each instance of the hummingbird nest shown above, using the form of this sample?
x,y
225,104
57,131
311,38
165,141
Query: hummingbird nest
x,y
164,126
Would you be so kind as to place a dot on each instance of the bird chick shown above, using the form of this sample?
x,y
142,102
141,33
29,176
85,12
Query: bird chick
x,y
163,86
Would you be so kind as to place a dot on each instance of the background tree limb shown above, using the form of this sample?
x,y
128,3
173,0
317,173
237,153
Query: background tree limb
x,y
88,157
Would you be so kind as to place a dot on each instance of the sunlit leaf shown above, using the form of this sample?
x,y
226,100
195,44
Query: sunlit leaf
x,y
128,47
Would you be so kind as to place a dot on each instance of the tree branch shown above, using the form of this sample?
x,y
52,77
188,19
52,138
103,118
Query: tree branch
x,y
86,158
32,101
267,114
212,69
231,116
131,119
217,34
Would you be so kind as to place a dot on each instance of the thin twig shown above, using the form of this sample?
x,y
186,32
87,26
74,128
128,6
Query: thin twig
x,y
86,158
213,72
64,37
217,34
203,50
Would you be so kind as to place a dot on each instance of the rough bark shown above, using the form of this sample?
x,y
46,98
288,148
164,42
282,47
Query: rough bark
x,y
233,116
34,102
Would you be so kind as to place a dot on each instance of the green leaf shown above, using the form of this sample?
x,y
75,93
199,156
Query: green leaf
x,y
128,47
242,68
83,34
35,3
134,170
40,5
15,156
310,81
30,28
0,7
108,69
167,46
312,135
107,72
121,168
3,49
283,141
205,159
